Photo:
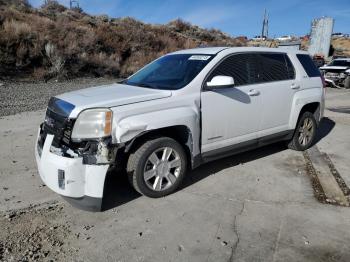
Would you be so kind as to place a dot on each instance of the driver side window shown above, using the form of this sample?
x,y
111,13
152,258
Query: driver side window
x,y
240,66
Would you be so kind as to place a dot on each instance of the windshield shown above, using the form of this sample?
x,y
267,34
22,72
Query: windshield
x,y
170,72
340,63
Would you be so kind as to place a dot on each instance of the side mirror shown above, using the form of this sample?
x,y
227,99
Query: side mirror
x,y
221,82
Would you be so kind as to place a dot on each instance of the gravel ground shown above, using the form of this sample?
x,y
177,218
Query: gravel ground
x,y
33,234
16,97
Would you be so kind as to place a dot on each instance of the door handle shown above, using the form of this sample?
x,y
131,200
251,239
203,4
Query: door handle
x,y
294,86
253,92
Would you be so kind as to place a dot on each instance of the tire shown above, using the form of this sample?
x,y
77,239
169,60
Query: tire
x,y
306,126
157,167
347,82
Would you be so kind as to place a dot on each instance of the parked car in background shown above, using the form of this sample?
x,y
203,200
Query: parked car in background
x,y
284,38
178,112
318,60
337,73
259,38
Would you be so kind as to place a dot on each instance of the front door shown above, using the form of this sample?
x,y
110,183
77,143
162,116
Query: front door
x,y
231,115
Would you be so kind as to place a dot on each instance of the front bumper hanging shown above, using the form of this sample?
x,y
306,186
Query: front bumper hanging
x,y
80,183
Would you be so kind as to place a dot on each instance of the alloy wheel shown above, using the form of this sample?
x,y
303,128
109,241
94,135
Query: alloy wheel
x,y
162,169
306,132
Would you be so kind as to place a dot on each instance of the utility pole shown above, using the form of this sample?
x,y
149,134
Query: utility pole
x,y
73,4
265,27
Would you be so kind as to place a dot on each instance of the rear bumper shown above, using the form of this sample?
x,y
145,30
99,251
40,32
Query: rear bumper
x,y
82,185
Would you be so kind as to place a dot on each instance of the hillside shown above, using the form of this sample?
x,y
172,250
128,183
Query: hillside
x,y
54,41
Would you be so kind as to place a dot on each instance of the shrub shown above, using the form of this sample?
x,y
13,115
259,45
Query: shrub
x,y
55,59
16,30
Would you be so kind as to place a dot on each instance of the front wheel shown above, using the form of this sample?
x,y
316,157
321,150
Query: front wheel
x,y
157,167
305,132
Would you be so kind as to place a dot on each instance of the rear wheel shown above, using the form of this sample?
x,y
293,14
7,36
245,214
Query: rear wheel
x,y
157,167
347,82
304,134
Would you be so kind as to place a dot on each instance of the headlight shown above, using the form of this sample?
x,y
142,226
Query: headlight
x,y
342,75
92,124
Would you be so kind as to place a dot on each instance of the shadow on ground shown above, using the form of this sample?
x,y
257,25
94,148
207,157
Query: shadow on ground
x,y
325,127
118,191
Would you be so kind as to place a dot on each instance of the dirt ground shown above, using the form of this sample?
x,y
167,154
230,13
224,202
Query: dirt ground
x,y
255,206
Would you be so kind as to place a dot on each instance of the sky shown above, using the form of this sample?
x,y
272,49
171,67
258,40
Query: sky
x,y
235,17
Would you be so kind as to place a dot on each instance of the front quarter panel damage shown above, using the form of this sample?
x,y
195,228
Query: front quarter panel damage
x,y
132,126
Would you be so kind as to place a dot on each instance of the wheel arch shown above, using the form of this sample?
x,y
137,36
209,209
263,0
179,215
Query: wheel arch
x,y
307,100
180,133
312,107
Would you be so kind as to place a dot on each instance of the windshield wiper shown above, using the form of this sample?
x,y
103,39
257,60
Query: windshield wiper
x,y
145,85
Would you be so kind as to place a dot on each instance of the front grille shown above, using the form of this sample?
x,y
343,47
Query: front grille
x,y
55,124
57,121
330,74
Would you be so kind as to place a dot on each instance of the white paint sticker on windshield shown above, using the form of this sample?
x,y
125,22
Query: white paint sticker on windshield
x,y
199,57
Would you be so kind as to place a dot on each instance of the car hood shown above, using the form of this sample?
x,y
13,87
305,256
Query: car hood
x,y
333,68
110,96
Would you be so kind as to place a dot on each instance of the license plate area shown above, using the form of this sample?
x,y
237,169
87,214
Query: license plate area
x,y
41,141
61,179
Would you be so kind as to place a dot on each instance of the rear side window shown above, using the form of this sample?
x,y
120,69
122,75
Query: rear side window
x,y
242,67
274,67
255,68
308,65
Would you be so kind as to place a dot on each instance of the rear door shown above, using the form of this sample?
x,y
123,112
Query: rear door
x,y
231,115
277,86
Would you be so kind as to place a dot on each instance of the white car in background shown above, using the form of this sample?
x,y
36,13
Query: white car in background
x,y
178,112
285,38
337,72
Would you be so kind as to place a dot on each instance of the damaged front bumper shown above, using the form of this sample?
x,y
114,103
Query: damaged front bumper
x,y
78,178
335,79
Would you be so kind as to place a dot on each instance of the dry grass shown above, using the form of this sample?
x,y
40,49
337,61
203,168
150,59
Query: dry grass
x,y
341,46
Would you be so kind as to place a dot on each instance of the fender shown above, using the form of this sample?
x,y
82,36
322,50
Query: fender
x,y
131,126
302,98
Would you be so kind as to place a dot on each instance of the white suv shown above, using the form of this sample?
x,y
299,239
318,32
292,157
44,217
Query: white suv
x,y
183,109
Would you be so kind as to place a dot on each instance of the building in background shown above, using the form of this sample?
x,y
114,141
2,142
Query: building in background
x,y
296,45
321,34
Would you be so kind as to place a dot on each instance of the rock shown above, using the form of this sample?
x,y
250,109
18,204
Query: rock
x,y
87,227
10,215
223,243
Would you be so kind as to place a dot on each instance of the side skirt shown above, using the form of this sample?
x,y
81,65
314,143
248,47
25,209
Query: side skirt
x,y
241,147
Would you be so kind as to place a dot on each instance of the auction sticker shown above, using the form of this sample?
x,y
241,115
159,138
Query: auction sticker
x,y
199,57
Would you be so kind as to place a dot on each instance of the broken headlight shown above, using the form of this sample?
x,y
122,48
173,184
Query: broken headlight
x,y
92,124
